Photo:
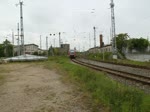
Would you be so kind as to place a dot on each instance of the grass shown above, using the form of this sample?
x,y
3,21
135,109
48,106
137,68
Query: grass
x,y
147,64
103,91
108,58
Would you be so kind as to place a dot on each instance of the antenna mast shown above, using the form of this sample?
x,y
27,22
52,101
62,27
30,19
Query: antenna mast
x,y
113,30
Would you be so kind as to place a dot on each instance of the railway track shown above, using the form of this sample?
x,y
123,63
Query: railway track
x,y
122,64
145,80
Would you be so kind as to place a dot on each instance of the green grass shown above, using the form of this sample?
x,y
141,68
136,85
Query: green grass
x,y
103,90
147,64
108,58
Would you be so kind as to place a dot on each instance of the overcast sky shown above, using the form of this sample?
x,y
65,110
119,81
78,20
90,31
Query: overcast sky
x,y
75,19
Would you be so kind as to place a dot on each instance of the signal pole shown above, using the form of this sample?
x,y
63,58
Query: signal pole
x,y
13,41
114,46
94,36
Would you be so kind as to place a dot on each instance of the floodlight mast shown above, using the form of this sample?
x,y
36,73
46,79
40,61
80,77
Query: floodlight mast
x,y
113,30
21,27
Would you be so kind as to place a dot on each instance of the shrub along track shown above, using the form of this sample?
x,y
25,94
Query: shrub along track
x,y
144,80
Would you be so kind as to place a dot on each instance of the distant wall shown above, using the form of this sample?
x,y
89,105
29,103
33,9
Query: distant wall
x,y
138,57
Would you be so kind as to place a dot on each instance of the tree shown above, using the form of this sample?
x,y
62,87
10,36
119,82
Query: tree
x,y
138,44
121,41
35,53
1,50
6,49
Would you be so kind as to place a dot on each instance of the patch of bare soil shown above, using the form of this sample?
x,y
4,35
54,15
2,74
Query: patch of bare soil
x,y
30,87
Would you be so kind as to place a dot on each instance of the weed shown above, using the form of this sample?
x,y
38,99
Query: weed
x,y
103,90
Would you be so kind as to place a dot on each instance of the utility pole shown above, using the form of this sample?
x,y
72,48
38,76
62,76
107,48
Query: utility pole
x,y
114,47
89,41
13,41
40,42
21,28
94,36
59,39
47,45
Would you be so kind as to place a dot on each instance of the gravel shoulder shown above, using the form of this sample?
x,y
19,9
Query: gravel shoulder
x,y
30,87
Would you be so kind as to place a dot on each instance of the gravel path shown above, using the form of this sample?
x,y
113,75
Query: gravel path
x,y
30,87
137,71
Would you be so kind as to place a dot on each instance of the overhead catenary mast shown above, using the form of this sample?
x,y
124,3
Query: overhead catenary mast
x,y
113,30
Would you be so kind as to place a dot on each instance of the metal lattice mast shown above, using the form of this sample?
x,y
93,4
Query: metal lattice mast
x,y
113,30
21,28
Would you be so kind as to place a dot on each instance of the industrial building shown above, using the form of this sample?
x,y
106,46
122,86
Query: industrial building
x,y
102,48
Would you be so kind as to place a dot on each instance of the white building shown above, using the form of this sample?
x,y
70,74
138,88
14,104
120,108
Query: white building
x,y
29,49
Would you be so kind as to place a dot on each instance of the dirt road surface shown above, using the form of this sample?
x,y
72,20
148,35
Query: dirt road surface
x,y
30,87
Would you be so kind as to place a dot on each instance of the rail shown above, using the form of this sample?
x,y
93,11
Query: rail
x,y
145,80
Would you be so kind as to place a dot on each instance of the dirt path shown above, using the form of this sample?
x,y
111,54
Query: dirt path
x,y
33,88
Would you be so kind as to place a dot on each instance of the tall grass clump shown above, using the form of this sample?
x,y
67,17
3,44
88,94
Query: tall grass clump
x,y
105,91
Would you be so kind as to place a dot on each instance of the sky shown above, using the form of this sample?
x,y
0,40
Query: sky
x,y
75,20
